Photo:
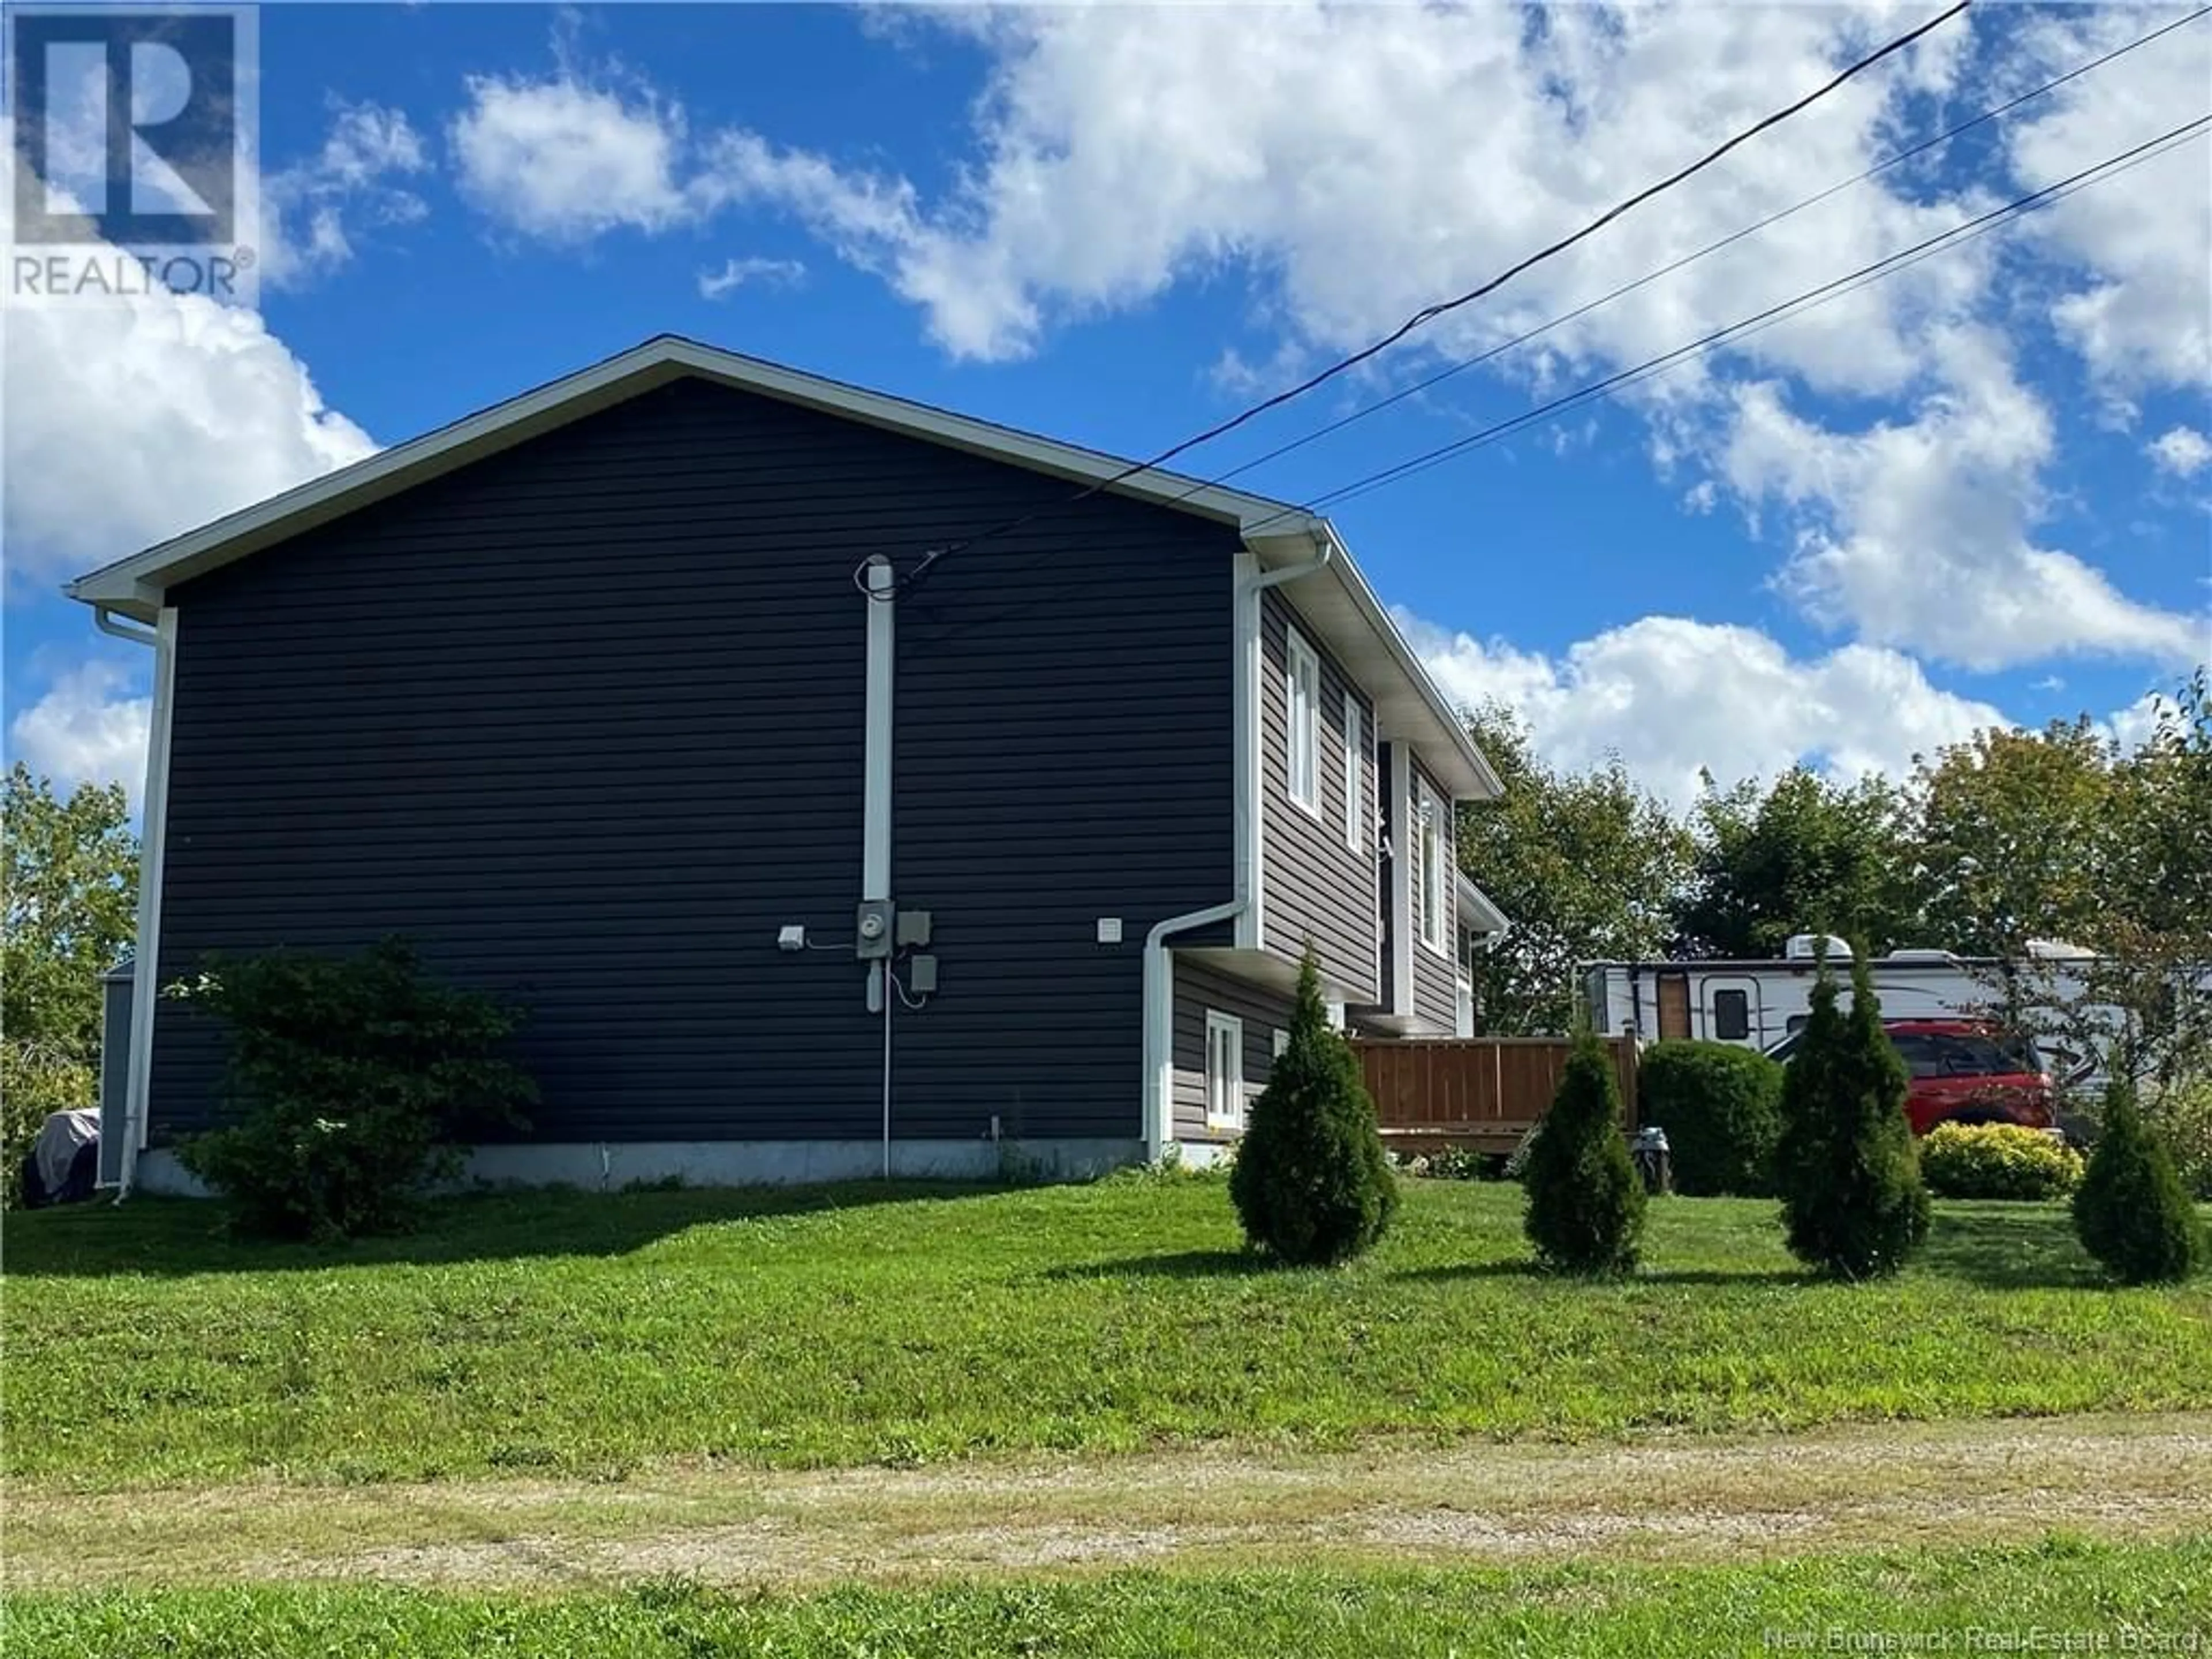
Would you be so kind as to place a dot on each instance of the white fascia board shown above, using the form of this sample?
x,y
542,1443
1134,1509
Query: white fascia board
x,y
133,585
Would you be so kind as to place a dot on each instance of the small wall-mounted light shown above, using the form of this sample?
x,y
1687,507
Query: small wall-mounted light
x,y
1110,930
791,937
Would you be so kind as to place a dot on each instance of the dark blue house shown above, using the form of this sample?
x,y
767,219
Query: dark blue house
x,y
839,782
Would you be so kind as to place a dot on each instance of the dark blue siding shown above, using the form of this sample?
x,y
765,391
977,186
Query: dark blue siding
x,y
585,719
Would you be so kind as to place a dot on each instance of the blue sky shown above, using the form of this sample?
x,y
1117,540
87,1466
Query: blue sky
x,y
1977,492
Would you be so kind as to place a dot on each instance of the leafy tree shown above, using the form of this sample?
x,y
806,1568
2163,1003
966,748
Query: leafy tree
x,y
2151,930
1805,856
2130,1209
1852,1201
2010,825
1588,866
1585,1212
72,897
1311,1184
2109,847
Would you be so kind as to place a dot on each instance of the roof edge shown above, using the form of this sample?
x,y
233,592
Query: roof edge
x,y
133,585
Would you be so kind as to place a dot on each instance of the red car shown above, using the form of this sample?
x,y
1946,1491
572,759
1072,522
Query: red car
x,y
1966,1071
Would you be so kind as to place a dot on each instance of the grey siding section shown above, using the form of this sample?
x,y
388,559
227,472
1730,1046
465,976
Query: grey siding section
x,y
1315,887
1436,1003
1199,986
585,720
115,994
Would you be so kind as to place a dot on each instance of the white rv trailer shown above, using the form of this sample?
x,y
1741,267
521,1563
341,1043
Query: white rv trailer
x,y
1756,1003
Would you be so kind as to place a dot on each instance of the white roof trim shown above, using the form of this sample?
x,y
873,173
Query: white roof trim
x,y
1478,912
133,586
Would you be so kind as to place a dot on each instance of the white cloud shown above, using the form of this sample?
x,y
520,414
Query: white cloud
x,y
1916,532
2136,307
1672,697
90,726
565,161
314,207
2183,451
2132,726
130,422
737,273
1357,159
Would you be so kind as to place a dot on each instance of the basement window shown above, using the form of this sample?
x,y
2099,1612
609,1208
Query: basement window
x,y
1303,681
1225,1071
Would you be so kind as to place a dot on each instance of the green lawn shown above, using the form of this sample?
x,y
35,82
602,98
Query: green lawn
x,y
2058,1589
588,1334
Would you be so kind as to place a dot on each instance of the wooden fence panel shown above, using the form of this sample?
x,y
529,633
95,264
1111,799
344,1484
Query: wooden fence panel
x,y
1480,1092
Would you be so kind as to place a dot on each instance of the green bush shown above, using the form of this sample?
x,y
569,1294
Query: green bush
x,y
1311,1184
2130,1209
1853,1203
2181,1117
1721,1107
1998,1160
1585,1211
354,1078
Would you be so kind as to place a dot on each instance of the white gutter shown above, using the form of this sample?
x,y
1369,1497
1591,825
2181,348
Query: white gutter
x,y
152,838
1245,908
105,621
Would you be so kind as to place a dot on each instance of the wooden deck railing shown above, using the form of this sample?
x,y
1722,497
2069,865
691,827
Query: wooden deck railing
x,y
1480,1092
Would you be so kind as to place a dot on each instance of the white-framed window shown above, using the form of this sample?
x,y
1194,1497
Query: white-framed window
x,y
1282,1042
1225,1071
1429,890
1302,681
1355,835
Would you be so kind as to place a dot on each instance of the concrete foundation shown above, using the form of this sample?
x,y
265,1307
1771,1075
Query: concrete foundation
x,y
610,1166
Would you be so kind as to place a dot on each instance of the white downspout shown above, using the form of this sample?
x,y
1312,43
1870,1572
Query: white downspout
x,y
145,985
875,803
1159,966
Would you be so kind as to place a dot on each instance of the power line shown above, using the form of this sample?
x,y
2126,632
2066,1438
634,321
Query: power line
x,y
1812,298
1429,313
1542,328
1944,241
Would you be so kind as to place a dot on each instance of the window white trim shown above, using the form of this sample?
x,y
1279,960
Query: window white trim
x,y
1433,921
1282,1043
1355,773
1302,721
1225,1071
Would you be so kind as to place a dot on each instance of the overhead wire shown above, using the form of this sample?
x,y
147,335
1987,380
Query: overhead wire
x,y
1461,365
1420,319
1811,299
1947,240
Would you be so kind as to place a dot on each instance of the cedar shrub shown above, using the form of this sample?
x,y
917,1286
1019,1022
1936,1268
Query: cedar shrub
x,y
1585,1212
1853,1203
2131,1211
1311,1185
